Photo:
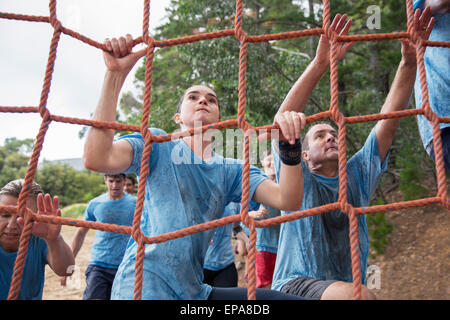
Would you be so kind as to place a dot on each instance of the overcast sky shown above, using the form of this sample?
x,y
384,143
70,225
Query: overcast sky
x,y
78,71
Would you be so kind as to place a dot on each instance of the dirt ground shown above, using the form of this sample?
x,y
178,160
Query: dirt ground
x,y
415,265
75,285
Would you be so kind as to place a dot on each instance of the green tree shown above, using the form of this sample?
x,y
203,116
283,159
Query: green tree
x,y
14,156
70,185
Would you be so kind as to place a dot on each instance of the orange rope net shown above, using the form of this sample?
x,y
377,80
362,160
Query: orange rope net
x,y
333,113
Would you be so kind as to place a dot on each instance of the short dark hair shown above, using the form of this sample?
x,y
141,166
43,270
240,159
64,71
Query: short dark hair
x,y
132,178
115,175
305,144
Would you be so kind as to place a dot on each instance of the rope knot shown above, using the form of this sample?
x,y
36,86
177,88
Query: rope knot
x,y
241,35
56,24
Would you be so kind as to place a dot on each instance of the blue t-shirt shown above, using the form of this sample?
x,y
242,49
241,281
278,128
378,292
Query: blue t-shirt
x,y
220,253
32,282
267,238
181,190
319,246
109,247
437,67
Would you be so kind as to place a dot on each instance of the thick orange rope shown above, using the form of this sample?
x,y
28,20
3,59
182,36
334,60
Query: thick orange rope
x,y
333,113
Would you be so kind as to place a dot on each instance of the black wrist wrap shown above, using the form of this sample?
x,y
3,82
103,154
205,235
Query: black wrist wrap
x,y
290,154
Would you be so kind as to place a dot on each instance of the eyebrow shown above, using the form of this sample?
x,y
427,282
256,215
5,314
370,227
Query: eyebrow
x,y
326,130
208,94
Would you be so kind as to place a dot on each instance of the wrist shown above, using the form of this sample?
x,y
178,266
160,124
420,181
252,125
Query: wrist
x,y
116,78
408,63
53,242
321,64
290,154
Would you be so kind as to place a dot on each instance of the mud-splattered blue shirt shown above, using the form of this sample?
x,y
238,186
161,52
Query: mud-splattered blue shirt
x,y
109,247
319,246
220,252
437,67
181,190
267,238
32,283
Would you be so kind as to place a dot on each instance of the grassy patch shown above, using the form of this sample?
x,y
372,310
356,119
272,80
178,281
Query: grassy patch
x,y
74,211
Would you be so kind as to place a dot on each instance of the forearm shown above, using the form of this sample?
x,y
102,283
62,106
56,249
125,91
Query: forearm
x,y
60,256
399,93
99,142
78,240
300,92
291,187
397,99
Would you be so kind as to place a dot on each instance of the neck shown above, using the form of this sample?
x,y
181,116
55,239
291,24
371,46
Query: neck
x,y
111,197
326,169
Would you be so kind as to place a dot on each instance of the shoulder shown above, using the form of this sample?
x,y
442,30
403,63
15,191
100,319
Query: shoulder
x,y
101,198
137,136
130,197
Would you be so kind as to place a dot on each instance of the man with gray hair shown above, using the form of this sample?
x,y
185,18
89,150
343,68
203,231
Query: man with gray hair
x,y
46,244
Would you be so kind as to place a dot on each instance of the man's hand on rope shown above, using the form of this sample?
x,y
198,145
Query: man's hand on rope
x,y
423,25
121,57
47,231
291,124
340,25
423,22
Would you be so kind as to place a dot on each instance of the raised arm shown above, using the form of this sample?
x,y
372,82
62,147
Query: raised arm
x,y
101,153
403,84
300,92
288,194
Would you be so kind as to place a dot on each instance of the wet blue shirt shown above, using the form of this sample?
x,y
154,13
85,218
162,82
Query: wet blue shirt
x,y
267,238
437,66
319,246
220,253
32,283
181,190
109,247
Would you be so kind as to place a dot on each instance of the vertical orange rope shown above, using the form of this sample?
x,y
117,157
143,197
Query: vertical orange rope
x,y
242,37
146,134
338,117
32,166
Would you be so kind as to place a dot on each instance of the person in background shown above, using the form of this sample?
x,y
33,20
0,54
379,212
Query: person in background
x,y
130,184
46,245
267,238
113,207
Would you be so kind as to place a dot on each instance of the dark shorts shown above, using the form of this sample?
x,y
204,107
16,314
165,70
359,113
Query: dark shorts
x,y
226,277
99,282
445,136
240,293
307,287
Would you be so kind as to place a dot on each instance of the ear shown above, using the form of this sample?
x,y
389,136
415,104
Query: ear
x,y
177,118
305,155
